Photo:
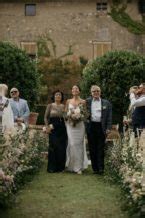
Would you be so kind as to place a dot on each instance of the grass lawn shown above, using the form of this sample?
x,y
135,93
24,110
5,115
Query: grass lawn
x,y
62,195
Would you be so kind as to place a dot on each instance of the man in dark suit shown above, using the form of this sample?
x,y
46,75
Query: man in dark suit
x,y
98,126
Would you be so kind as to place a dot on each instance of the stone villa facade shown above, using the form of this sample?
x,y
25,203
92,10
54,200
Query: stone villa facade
x,y
84,24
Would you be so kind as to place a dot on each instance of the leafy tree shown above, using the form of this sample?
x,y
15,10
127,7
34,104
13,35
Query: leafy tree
x,y
57,72
18,70
115,73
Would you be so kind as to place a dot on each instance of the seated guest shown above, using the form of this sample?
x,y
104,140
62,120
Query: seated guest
x,y
19,107
137,99
6,114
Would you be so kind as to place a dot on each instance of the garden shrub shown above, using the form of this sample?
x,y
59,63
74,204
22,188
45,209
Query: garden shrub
x,y
18,70
41,110
115,73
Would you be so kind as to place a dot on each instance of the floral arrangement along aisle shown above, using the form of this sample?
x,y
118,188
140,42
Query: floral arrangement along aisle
x,y
126,158
131,171
20,158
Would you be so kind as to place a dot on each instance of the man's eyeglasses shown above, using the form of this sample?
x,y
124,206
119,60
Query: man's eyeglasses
x,y
13,92
95,91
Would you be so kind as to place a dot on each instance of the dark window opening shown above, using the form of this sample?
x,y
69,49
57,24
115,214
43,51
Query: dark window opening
x,y
30,9
101,6
32,56
141,6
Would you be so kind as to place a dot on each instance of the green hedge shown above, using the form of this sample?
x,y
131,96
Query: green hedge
x,y
41,110
115,73
18,70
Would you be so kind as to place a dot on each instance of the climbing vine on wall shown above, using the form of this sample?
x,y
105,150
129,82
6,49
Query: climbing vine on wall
x,y
120,16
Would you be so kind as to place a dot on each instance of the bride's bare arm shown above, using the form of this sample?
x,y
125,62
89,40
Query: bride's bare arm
x,y
66,105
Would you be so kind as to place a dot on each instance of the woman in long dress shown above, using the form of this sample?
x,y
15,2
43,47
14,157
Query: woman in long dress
x,y
76,150
6,114
55,125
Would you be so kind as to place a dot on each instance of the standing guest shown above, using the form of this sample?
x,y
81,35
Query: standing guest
x,y
127,120
55,126
98,126
137,99
76,151
19,107
6,114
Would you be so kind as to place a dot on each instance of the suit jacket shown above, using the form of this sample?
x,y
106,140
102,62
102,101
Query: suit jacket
x,y
23,110
106,115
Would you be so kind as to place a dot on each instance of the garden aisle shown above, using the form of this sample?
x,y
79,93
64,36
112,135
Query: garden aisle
x,y
62,195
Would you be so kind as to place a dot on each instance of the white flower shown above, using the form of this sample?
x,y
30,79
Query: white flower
x,y
51,126
9,178
44,129
77,111
138,155
69,113
2,175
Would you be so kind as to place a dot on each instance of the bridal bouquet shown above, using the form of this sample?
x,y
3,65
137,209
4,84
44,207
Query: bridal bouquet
x,y
75,115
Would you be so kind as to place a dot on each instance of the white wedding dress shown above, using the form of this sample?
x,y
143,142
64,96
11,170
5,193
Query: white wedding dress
x,y
76,150
7,117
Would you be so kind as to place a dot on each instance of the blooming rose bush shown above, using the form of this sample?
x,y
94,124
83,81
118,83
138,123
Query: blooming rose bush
x,y
20,156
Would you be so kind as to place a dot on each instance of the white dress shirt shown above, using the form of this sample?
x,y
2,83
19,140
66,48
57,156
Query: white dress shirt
x,y
137,102
96,110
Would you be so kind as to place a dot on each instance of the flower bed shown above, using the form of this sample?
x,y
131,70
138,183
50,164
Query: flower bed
x,y
20,158
125,159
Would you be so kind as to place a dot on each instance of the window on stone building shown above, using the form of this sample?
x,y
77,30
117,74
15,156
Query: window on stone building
x,y
100,48
101,5
30,9
30,48
141,5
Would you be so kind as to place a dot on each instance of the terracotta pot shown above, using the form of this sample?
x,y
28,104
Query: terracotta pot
x,y
33,118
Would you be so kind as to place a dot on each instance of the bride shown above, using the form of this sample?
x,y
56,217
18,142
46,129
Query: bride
x,y
76,149
6,114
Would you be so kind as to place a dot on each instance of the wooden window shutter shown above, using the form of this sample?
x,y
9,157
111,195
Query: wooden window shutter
x,y
29,47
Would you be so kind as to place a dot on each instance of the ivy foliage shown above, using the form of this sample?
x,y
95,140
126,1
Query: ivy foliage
x,y
18,70
115,73
119,15
48,49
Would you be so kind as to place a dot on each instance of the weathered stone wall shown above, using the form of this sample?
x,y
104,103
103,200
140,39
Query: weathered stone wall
x,y
67,22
